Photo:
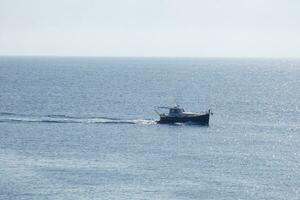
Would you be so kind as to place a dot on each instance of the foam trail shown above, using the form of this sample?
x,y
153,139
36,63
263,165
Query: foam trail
x,y
6,117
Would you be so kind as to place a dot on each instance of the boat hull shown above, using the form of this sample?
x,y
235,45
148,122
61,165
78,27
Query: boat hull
x,y
196,119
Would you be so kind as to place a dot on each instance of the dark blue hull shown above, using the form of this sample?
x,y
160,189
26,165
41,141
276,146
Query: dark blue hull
x,y
198,119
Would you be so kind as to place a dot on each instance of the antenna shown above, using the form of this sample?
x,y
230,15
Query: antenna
x,y
175,103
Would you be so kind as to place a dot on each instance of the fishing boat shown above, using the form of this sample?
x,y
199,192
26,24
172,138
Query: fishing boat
x,y
177,114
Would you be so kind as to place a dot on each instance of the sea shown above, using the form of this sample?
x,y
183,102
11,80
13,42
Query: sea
x,y
85,128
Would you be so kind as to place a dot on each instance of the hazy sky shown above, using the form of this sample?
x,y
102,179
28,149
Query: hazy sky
x,y
202,28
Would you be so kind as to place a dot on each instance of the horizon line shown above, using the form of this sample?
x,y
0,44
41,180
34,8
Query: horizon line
x,y
155,56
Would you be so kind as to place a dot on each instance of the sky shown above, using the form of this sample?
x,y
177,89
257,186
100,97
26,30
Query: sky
x,y
164,28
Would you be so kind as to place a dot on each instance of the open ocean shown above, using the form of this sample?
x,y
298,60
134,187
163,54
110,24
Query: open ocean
x,y
84,128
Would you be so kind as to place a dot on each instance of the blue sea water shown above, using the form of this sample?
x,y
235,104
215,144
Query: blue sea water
x,y
84,128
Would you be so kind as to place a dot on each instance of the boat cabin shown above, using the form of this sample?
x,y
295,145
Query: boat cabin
x,y
176,111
